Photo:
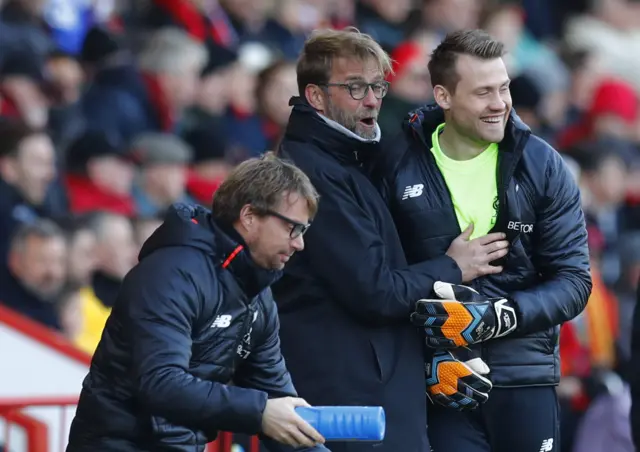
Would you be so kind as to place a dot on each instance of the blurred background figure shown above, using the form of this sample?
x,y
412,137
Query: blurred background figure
x,y
111,110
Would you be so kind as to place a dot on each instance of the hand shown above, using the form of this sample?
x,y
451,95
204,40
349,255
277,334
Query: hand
x,y
283,424
462,317
456,384
473,256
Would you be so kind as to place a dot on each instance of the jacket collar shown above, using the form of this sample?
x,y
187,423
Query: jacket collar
x,y
306,125
423,121
237,259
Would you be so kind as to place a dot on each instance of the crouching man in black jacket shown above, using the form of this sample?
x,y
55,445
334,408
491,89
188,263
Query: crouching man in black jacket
x,y
191,346
469,163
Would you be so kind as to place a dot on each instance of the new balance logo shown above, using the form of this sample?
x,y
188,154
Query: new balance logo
x,y
412,191
547,445
222,321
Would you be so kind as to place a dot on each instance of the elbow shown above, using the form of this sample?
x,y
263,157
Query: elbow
x,y
586,285
153,390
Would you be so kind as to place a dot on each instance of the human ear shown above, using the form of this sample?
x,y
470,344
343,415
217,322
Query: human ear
x,y
315,97
442,97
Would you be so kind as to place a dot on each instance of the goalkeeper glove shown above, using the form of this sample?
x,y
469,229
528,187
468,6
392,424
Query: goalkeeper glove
x,y
462,317
456,384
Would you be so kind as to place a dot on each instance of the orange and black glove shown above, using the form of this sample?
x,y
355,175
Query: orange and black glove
x,y
455,384
462,317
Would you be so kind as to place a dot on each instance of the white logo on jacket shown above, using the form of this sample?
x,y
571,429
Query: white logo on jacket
x,y
412,191
525,228
221,321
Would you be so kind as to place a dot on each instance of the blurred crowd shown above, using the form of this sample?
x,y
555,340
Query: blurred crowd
x,y
112,110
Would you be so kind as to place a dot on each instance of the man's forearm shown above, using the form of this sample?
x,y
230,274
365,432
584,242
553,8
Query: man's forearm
x,y
553,302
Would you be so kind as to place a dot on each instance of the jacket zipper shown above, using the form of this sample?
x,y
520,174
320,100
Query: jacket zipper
x,y
503,181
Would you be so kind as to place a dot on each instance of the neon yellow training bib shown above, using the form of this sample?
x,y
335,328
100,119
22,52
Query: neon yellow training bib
x,y
472,184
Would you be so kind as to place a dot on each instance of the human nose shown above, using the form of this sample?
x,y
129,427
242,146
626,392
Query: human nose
x,y
298,243
498,103
370,99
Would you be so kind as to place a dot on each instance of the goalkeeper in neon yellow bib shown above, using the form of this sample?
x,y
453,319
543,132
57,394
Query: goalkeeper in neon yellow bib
x,y
469,164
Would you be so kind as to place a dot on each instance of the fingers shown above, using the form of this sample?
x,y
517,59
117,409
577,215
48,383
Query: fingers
x,y
490,238
466,234
467,390
310,432
299,438
489,270
297,401
448,291
492,256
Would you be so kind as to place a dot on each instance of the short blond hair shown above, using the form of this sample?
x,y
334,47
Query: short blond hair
x,y
324,46
263,183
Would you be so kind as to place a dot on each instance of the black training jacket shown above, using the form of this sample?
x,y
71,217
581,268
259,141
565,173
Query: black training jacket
x,y
191,346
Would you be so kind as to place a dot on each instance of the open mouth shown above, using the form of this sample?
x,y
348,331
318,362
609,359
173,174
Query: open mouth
x,y
369,122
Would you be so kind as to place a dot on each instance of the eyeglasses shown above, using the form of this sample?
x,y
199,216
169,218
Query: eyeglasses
x,y
297,229
359,90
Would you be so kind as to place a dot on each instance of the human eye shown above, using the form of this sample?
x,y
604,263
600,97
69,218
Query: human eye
x,y
357,88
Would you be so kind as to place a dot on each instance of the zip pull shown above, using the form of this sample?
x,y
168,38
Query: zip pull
x,y
355,154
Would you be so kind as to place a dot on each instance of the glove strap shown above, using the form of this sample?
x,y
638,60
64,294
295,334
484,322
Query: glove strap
x,y
506,317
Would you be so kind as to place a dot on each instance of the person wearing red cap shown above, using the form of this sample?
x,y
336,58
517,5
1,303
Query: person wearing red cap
x,y
410,86
613,113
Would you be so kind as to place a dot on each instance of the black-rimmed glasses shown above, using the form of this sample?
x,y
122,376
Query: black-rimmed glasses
x,y
297,229
359,90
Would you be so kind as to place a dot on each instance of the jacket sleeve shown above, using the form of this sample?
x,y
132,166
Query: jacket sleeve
x,y
560,255
346,250
634,364
265,370
163,303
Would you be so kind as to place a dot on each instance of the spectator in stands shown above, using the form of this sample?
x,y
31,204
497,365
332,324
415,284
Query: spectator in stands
x,y
612,113
36,272
445,16
211,103
604,174
21,84
275,86
65,80
27,169
625,288
143,227
243,124
84,313
164,161
210,165
192,347
410,86
383,20
204,21
23,21
128,103
115,251
100,174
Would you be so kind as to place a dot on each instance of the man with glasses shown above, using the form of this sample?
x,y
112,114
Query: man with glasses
x,y
345,301
191,347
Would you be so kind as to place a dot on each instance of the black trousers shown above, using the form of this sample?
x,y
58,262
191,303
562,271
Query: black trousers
x,y
513,419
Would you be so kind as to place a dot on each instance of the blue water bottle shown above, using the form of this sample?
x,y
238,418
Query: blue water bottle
x,y
346,423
